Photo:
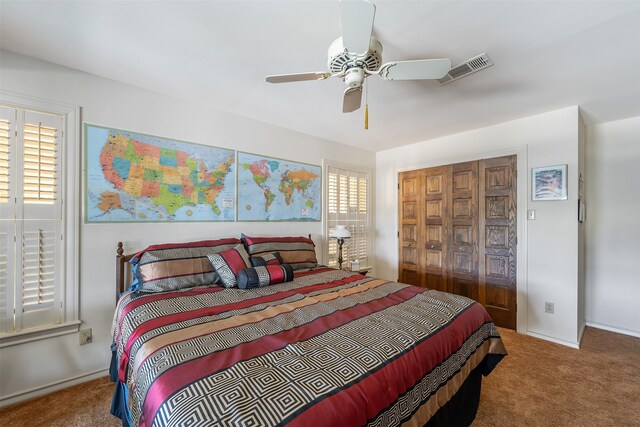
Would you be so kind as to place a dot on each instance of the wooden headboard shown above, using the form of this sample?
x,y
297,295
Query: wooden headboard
x,y
122,263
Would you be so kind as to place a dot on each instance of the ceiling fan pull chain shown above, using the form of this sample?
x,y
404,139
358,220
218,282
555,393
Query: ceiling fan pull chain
x,y
366,105
366,116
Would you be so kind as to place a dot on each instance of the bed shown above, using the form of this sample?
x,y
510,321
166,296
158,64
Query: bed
x,y
329,348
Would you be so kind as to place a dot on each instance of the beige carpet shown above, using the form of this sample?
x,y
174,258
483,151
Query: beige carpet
x,y
538,384
546,384
85,404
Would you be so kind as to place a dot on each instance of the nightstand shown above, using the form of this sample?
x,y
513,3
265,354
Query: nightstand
x,y
364,271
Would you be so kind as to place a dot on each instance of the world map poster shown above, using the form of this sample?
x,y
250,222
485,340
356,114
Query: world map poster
x,y
272,189
133,177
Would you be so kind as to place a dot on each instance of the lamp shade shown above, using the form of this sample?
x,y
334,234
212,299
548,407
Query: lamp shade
x,y
340,232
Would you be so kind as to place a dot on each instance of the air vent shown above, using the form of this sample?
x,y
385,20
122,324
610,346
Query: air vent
x,y
477,63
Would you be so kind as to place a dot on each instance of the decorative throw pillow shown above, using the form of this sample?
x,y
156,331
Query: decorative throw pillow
x,y
229,263
268,258
173,266
299,252
265,275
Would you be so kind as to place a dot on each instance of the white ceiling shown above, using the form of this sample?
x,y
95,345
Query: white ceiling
x,y
547,55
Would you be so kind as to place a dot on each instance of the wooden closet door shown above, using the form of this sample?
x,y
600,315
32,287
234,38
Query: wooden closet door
x,y
435,229
409,211
463,252
497,274
458,232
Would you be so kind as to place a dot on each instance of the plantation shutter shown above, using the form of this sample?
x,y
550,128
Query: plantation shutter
x,y
7,223
31,216
348,204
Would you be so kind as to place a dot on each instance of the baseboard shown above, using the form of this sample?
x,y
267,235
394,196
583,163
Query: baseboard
x,y
555,340
614,329
51,387
581,333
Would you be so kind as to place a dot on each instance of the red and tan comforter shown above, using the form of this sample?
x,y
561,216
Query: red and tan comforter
x,y
330,348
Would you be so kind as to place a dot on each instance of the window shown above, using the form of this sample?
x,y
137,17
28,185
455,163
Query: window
x,y
348,203
37,283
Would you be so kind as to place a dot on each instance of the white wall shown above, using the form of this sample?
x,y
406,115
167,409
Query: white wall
x,y
547,246
29,367
613,228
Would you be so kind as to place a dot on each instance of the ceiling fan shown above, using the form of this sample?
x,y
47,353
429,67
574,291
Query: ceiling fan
x,y
357,55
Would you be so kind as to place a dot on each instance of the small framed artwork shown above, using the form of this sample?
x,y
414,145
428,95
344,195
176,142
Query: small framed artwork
x,y
549,183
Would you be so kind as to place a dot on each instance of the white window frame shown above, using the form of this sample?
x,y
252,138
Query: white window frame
x,y
70,195
326,164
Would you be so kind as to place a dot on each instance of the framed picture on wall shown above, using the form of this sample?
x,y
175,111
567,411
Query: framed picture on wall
x,y
549,183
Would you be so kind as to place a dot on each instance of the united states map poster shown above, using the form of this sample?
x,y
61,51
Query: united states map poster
x,y
134,177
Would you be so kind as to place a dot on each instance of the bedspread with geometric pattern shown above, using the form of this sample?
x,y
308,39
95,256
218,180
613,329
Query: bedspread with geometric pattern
x,y
330,348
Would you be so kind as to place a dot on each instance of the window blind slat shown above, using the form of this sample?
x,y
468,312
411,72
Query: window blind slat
x,y
40,163
5,153
38,269
4,275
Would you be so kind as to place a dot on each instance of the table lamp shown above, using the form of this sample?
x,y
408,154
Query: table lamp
x,y
340,233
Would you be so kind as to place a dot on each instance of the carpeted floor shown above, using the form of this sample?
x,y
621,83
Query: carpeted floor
x,y
82,405
545,384
538,384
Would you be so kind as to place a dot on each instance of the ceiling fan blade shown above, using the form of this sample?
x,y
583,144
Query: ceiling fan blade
x,y
352,99
299,77
415,70
357,24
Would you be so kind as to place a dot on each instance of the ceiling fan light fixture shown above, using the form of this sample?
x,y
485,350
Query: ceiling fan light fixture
x,y
354,77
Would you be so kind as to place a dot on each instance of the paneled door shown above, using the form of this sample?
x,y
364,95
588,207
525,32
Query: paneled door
x,y
457,232
409,271
463,253
498,239
434,232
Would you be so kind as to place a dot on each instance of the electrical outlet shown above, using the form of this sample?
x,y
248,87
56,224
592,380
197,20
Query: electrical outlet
x,y
548,307
85,336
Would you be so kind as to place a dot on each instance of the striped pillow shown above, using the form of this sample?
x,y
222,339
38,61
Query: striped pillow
x,y
265,275
299,252
268,258
173,266
229,263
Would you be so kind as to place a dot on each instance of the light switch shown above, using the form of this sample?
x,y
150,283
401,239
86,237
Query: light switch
x,y
531,214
